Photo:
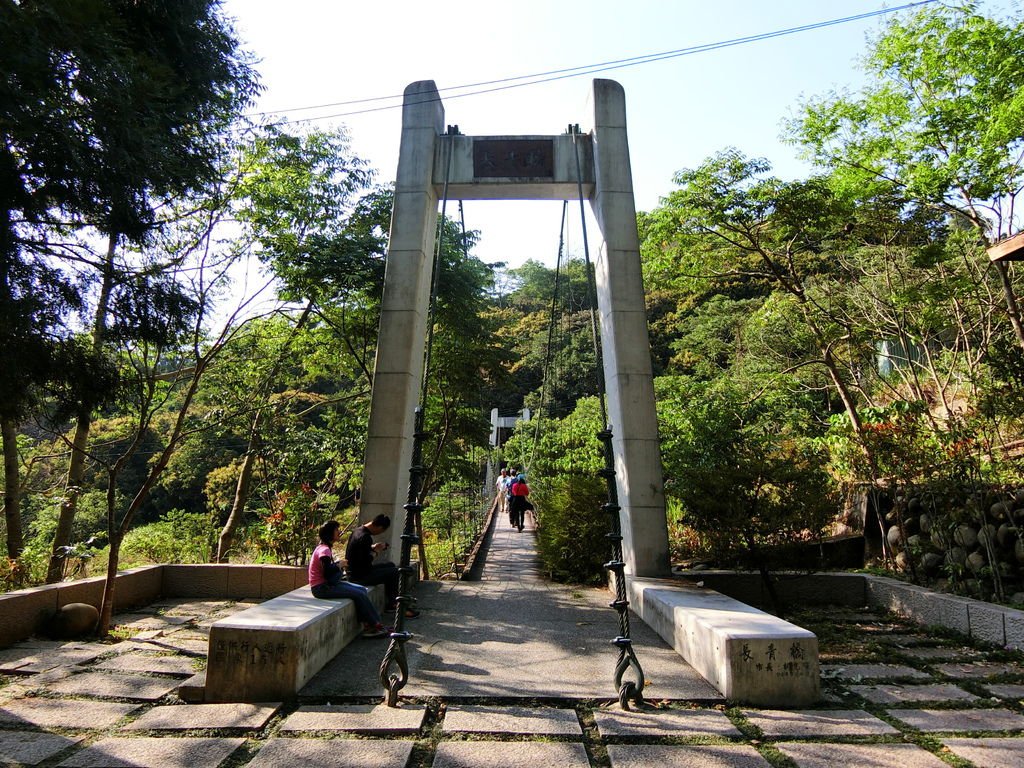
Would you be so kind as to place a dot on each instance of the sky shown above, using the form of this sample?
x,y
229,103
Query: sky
x,y
679,110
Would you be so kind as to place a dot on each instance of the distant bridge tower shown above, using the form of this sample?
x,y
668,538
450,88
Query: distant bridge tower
x,y
502,425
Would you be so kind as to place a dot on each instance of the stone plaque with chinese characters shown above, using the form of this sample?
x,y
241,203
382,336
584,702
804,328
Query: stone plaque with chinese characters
x,y
513,158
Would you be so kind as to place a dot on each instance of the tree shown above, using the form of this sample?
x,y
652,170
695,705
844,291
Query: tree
x,y
747,474
162,373
297,195
729,221
108,109
940,123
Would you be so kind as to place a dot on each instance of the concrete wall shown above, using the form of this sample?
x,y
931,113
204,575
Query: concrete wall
x,y
792,588
23,611
236,582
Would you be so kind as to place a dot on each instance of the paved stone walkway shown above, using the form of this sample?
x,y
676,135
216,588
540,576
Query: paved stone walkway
x,y
511,671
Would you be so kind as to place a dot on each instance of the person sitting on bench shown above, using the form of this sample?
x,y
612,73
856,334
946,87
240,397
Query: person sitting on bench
x,y
362,570
326,581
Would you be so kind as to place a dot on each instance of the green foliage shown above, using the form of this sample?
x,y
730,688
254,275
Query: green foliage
x,y
941,118
747,475
180,537
298,194
285,531
567,446
452,523
30,567
562,464
572,541
111,104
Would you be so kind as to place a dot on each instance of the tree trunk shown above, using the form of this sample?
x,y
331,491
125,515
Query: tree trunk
x,y
422,550
1012,308
80,442
12,489
69,504
227,534
244,484
766,576
109,585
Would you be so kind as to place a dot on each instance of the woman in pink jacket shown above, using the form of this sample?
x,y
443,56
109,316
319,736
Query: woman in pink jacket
x,y
519,504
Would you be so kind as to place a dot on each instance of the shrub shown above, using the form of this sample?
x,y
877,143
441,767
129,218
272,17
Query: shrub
x,y
181,537
572,541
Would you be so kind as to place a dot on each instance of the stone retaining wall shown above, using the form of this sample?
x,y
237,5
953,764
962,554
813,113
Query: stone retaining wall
x,y
988,622
23,611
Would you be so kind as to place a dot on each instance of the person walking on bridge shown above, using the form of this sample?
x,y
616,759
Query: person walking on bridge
x,y
501,492
509,479
519,504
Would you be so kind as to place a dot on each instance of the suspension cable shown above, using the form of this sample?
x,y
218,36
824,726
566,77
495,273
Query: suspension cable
x,y
630,690
551,333
395,654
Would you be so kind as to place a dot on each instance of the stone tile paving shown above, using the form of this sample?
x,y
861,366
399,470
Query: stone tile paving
x,y
356,718
990,753
150,752
979,670
172,642
810,755
113,686
870,671
63,713
31,747
666,722
515,754
939,654
143,621
187,717
182,666
1007,691
512,720
816,723
26,661
905,694
876,628
903,640
695,756
949,720
288,753
184,607
916,683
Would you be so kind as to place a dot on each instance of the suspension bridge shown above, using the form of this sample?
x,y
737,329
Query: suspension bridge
x,y
512,634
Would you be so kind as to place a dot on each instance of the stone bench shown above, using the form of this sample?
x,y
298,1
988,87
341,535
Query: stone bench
x,y
268,652
749,655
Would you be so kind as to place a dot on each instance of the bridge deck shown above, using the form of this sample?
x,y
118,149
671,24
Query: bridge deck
x,y
512,634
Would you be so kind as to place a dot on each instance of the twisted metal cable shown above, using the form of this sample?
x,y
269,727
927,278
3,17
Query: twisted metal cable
x,y
628,690
395,654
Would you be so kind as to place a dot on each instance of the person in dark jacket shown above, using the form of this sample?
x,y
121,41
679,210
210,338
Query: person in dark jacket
x,y
362,569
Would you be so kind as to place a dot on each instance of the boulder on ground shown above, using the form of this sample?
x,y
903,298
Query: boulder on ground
x,y
72,621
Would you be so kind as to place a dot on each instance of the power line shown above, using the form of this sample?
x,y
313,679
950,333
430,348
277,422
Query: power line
x,y
538,78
